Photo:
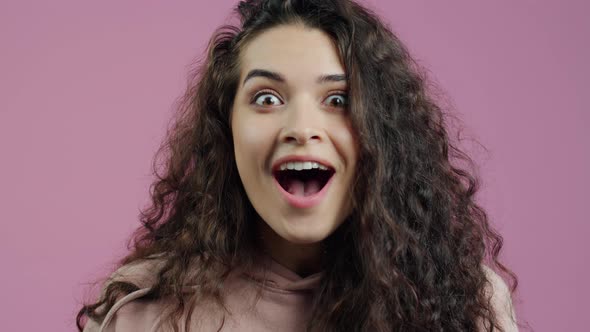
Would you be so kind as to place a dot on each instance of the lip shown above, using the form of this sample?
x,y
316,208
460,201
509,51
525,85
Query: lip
x,y
280,161
303,202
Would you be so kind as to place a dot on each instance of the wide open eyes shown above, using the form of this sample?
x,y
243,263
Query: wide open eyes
x,y
336,100
268,98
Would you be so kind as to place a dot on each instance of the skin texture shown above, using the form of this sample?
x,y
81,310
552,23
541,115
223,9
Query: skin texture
x,y
299,116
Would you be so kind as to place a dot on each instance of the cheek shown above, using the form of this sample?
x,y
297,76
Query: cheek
x,y
252,139
345,142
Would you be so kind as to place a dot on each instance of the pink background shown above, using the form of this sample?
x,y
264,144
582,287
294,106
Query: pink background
x,y
87,88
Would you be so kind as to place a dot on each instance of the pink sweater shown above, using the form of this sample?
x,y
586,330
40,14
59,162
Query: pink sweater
x,y
284,304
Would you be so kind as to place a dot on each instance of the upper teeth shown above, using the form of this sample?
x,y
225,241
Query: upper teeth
x,y
301,165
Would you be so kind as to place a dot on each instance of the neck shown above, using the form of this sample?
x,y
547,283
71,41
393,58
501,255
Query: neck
x,y
303,259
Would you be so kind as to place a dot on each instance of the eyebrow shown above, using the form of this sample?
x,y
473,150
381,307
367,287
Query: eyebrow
x,y
281,79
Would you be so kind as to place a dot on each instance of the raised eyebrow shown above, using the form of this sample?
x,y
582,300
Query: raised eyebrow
x,y
264,73
332,78
280,78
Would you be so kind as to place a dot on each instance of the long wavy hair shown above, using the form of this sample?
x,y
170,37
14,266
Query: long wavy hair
x,y
410,255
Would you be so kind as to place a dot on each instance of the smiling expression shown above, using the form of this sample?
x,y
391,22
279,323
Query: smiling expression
x,y
295,150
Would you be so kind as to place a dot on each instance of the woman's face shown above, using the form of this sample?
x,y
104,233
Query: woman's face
x,y
294,147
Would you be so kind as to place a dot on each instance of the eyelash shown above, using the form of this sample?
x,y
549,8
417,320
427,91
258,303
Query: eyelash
x,y
273,93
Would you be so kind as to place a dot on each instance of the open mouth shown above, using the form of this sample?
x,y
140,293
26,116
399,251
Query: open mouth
x,y
305,182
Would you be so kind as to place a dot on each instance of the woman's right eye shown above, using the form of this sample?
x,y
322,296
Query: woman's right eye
x,y
267,99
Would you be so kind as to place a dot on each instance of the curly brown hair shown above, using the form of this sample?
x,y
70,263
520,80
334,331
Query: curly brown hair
x,y
409,257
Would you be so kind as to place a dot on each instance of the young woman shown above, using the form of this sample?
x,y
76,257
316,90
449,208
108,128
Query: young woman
x,y
308,186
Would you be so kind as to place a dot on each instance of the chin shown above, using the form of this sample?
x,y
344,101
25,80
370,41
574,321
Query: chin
x,y
305,239
305,234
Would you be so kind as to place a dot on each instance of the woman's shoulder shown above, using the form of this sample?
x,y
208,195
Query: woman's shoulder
x,y
142,272
501,299
130,312
138,312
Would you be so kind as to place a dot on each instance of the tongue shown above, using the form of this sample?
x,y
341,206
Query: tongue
x,y
303,188
311,187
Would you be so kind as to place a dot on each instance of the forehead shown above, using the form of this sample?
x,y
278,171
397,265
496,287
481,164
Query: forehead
x,y
294,51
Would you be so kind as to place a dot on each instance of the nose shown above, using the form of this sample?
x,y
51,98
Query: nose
x,y
302,125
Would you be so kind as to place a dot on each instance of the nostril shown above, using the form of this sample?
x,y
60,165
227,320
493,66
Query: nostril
x,y
301,139
300,135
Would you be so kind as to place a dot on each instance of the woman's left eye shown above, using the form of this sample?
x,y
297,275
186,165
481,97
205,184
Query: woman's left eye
x,y
337,100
